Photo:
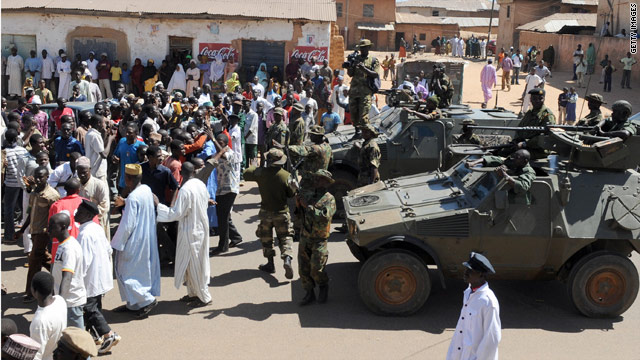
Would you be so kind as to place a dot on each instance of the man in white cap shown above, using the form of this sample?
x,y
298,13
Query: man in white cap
x,y
95,190
92,65
478,331
20,347
64,69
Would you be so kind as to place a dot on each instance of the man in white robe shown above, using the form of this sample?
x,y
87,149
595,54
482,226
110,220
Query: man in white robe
x,y
193,77
337,97
95,190
64,69
15,64
48,69
192,253
136,262
478,331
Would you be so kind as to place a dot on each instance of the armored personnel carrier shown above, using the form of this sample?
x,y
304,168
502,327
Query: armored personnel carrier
x,y
582,225
410,145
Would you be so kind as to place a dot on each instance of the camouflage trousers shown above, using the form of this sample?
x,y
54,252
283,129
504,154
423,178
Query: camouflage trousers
x,y
312,259
359,107
281,221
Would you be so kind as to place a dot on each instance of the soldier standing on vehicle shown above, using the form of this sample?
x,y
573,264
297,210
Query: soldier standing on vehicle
x,y
467,136
316,156
360,93
369,159
318,209
278,131
441,86
595,115
479,330
273,183
515,170
618,125
538,115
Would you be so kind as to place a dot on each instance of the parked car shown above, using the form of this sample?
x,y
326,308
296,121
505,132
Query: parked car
x,y
491,47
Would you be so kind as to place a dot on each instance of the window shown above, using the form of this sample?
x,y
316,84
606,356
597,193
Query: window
x,y
508,11
339,9
423,37
435,13
367,10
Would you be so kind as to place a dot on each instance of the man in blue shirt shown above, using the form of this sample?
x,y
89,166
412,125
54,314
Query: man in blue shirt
x,y
126,151
33,67
330,121
65,144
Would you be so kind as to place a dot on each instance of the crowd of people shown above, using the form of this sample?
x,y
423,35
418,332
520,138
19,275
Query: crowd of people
x,y
171,163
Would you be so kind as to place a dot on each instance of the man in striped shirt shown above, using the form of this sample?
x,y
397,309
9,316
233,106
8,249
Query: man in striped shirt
x,y
14,155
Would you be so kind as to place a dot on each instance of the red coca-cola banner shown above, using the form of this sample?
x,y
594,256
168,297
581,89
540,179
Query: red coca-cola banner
x,y
307,52
213,49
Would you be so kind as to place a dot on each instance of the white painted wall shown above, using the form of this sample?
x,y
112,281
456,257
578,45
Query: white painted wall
x,y
51,31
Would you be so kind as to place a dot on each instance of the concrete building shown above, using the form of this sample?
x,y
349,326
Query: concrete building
x,y
617,13
453,8
250,31
515,13
371,19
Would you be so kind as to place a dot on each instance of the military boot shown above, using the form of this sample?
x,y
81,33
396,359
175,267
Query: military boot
x,y
323,293
269,266
288,270
308,298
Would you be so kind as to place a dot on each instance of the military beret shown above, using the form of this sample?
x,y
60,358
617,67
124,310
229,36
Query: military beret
x,y
434,98
595,97
537,91
79,341
479,262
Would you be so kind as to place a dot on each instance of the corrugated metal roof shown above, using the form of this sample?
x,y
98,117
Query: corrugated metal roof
x,y
556,22
374,26
463,22
580,2
453,5
319,10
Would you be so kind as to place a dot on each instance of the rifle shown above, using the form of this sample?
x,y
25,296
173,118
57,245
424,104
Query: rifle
x,y
541,129
292,168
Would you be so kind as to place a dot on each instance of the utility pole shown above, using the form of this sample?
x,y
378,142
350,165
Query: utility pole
x,y
493,2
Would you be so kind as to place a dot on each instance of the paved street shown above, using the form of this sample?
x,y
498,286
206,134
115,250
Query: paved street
x,y
256,316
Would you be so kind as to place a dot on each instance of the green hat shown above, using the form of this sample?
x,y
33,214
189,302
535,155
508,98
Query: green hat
x,y
435,99
298,106
371,129
364,43
595,97
537,91
276,157
279,111
324,174
316,130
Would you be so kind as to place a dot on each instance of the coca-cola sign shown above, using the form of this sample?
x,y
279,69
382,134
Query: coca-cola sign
x,y
212,50
308,52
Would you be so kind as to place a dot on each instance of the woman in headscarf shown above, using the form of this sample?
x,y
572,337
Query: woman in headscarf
x,y
149,75
263,75
276,74
216,72
178,80
136,77
233,82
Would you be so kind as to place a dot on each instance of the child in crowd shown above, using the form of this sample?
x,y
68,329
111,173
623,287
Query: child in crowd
x,y
562,105
608,71
571,106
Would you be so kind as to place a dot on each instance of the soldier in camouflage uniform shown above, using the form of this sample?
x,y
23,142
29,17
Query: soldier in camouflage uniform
x,y
515,170
369,159
273,183
441,86
467,136
595,115
319,207
618,125
433,113
359,92
278,131
296,125
538,115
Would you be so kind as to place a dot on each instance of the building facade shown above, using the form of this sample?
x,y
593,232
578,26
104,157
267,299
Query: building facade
x,y
370,19
617,13
457,8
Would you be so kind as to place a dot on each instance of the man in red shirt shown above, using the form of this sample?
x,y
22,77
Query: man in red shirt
x,y
61,111
104,74
173,162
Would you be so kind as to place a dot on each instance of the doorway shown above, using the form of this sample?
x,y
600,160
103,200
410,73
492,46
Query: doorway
x,y
399,35
179,48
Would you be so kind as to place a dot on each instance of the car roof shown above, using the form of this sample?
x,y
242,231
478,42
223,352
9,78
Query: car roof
x,y
76,105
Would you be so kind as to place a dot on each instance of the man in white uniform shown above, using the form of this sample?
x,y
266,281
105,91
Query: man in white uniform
x,y
64,69
15,64
92,65
478,332
192,252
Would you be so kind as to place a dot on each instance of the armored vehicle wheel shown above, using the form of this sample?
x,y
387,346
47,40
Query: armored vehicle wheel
x,y
356,251
603,284
344,182
394,282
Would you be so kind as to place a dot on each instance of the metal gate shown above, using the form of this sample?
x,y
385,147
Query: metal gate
x,y
256,52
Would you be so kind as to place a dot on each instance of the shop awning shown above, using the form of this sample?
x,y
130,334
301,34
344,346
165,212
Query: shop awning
x,y
375,27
